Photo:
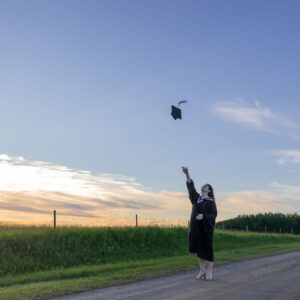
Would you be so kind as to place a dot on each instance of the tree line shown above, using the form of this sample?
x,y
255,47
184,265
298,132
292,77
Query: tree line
x,y
263,222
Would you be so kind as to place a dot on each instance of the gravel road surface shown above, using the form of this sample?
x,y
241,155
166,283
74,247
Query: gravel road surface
x,y
273,277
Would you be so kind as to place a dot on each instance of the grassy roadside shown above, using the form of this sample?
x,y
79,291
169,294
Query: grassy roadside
x,y
47,284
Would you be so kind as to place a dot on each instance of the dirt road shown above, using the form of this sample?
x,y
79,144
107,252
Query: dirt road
x,y
273,277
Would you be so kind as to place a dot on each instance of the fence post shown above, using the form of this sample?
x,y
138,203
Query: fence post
x,y
280,230
265,228
246,228
54,218
223,226
136,220
292,230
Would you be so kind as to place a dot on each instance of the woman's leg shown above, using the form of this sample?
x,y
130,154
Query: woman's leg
x,y
209,269
201,274
210,266
202,264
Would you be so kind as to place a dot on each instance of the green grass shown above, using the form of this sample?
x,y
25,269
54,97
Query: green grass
x,y
36,249
114,256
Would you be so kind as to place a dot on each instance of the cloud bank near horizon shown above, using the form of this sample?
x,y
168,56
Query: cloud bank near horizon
x,y
31,190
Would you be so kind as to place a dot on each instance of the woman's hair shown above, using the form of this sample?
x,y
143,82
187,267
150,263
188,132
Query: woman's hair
x,y
211,192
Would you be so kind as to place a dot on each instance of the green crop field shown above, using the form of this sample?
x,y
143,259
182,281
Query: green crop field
x,y
40,262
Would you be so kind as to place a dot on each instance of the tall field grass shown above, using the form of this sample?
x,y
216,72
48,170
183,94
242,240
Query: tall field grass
x,y
24,250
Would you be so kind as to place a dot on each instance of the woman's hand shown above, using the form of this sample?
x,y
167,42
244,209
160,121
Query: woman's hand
x,y
185,170
199,217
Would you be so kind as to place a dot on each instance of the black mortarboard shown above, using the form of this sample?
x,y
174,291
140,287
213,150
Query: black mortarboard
x,y
176,112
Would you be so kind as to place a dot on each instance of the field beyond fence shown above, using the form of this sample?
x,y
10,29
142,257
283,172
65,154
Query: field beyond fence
x,y
267,222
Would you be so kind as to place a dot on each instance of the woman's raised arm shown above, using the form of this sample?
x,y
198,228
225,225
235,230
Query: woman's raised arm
x,y
193,194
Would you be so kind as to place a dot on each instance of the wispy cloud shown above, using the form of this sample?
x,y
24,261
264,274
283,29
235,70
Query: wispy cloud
x,y
256,116
288,156
275,197
292,190
281,198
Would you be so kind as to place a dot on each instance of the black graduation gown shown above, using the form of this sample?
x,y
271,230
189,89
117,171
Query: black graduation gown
x,y
200,238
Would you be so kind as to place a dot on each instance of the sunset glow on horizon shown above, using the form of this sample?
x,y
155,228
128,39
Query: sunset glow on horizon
x,y
31,190
86,96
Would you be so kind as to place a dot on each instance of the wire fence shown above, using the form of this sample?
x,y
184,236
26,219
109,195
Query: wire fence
x,y
60,220
136,221
258,228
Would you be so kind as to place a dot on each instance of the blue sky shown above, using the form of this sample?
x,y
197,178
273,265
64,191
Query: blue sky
x,y
88,85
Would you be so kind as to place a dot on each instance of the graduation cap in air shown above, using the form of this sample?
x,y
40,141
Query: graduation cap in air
x,y
176,111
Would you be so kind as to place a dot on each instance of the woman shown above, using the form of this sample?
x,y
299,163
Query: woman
x,y
202,223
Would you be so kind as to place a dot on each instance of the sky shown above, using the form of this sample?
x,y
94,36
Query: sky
x,y
86,89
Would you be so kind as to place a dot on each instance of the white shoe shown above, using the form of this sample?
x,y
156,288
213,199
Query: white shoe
x,y
208,276
201,275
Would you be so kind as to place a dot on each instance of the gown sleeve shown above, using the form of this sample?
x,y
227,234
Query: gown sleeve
x,y
193,194
210,218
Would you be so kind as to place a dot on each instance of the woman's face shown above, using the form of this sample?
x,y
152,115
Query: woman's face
x,y
205,188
